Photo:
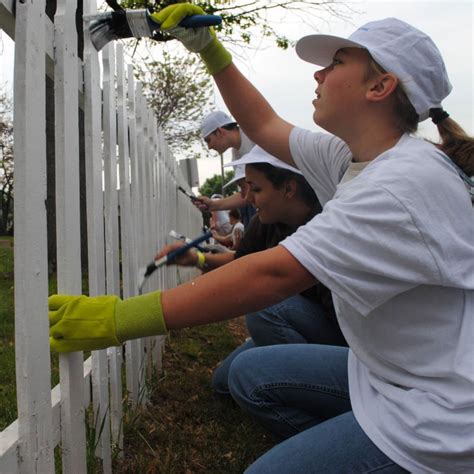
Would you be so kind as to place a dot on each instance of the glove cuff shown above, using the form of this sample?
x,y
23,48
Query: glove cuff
x,y
140,316
215,57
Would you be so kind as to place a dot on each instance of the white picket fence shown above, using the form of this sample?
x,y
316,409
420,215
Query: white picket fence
x,y
132,203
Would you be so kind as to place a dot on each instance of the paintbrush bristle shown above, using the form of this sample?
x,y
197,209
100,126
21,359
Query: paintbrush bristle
x,y
107,27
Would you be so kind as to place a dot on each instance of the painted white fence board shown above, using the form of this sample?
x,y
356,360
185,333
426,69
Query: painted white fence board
x,y
9,449
139,212
95,231
73,440
133,347
112,228
128,229
30,253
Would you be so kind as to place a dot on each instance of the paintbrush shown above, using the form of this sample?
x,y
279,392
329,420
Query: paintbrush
x,y
190,196
178,236
145,272
124,23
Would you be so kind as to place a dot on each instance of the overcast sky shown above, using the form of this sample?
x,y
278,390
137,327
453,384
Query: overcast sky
x,y
288,84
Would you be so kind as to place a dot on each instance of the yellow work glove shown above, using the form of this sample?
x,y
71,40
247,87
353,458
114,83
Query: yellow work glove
x,y
197,40
83,323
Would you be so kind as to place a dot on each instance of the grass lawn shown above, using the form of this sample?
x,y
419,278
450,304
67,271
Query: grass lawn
x,y
186,428
7,348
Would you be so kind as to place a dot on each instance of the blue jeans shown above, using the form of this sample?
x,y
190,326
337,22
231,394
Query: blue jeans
x,y
300,393
292,321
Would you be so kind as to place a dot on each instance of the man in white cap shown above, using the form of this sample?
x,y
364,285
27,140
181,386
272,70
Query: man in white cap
x,y
221,132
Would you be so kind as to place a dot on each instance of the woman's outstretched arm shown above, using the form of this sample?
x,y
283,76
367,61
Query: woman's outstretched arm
x,y
246,285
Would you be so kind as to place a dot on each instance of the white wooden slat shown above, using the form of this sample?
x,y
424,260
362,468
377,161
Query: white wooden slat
x,y
140,218
158,228
95,231
134,197
152,198
162,224
139,183
35,447
148,222
148,250
133,347
143,220
68,232
112,229
126,222
9,449
128,230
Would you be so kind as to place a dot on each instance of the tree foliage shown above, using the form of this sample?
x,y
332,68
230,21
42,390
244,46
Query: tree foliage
x,y
213,185
6,164
177,88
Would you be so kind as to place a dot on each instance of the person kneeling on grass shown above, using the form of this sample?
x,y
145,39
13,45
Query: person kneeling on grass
x,y
393,244
284,201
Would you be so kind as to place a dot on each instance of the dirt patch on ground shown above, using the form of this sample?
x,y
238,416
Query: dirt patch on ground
x,y
238,328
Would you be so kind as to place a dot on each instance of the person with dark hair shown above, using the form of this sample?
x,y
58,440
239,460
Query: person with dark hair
x,y
221,133
393,244
284,201
233,239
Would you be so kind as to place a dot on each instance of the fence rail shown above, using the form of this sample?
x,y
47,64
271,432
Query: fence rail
x,y
130,182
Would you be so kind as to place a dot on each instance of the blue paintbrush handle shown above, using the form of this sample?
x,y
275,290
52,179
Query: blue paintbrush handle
x,y
198,21
194,243
171,256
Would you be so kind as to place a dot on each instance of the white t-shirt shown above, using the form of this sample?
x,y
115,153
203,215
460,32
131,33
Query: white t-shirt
x,y
245,146
396,247
237,234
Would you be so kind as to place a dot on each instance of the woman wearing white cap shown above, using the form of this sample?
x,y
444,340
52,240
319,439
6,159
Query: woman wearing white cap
x,y
394,244
284,202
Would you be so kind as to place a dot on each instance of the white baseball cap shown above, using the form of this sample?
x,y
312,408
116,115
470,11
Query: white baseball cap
x,y
239,173
213,121
399,48
259,155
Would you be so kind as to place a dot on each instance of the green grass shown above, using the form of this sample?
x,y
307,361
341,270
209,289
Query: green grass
x,y
8,411
187,428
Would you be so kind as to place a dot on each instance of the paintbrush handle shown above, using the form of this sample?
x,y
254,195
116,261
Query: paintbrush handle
x,y
198,21
175,253
194,243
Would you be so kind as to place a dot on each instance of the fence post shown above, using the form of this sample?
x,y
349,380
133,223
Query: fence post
x,y
33,371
